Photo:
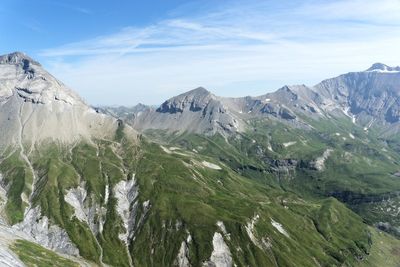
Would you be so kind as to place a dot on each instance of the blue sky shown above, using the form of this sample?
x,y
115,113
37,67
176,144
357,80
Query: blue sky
x,y
125,52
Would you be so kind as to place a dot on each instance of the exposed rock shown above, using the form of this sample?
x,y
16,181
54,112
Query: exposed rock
x,y
319,163
221,255
50,236
182,260
86,209
211,165
250,229
126,194
279,227
31,100
76,197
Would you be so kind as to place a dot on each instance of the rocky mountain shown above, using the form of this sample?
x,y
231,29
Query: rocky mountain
x,y
283,179
368,98
35,106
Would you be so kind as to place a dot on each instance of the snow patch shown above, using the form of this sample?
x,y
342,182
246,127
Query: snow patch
x,y
279,227
351,136
211,165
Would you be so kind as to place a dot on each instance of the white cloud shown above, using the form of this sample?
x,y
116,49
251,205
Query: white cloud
x,y
243,49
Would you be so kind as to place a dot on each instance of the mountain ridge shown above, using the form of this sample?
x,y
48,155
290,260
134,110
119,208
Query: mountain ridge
x,y
339,96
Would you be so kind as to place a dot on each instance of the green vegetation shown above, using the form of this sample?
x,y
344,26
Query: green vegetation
x,y
34,255
266,175
385,251
18,178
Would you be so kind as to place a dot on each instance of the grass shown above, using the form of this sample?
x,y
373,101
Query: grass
x,y
385,251
18,180
33,255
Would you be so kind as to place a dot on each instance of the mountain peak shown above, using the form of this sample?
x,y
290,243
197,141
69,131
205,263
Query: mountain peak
x,y
17,58
380,67
199,91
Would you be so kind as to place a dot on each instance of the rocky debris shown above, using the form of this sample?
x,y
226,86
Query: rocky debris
x,y
31,100
221,255
278,111
182,260
50,236
8,258
279,227
283,165
126,193
86,209
221,227
76,198
211,165
8,236
319,163
250,229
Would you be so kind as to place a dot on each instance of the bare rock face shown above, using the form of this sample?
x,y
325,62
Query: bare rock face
x,y
44,233
35,106
371,96
196,111
221,256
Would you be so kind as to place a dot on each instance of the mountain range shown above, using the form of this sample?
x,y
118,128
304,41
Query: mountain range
x,y
304,176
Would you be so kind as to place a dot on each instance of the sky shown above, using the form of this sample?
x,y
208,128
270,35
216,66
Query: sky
x,y
127,52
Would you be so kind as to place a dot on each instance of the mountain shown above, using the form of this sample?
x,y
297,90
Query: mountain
x,y
35,106
275,180
369,98
197,111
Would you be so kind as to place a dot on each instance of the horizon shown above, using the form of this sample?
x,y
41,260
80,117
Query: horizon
x,y
202,87
152,51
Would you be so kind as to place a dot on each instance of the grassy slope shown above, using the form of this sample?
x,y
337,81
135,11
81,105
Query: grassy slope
x,y
186,197
384,252
367,163
197,197
18,179
33,255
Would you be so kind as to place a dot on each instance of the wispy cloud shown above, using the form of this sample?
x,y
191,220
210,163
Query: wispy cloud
x,y
75,8
238,49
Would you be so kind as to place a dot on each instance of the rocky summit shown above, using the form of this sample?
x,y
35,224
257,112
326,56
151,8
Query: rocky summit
x,y
303,176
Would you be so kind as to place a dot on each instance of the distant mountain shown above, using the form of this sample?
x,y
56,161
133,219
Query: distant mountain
x,y
369,98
